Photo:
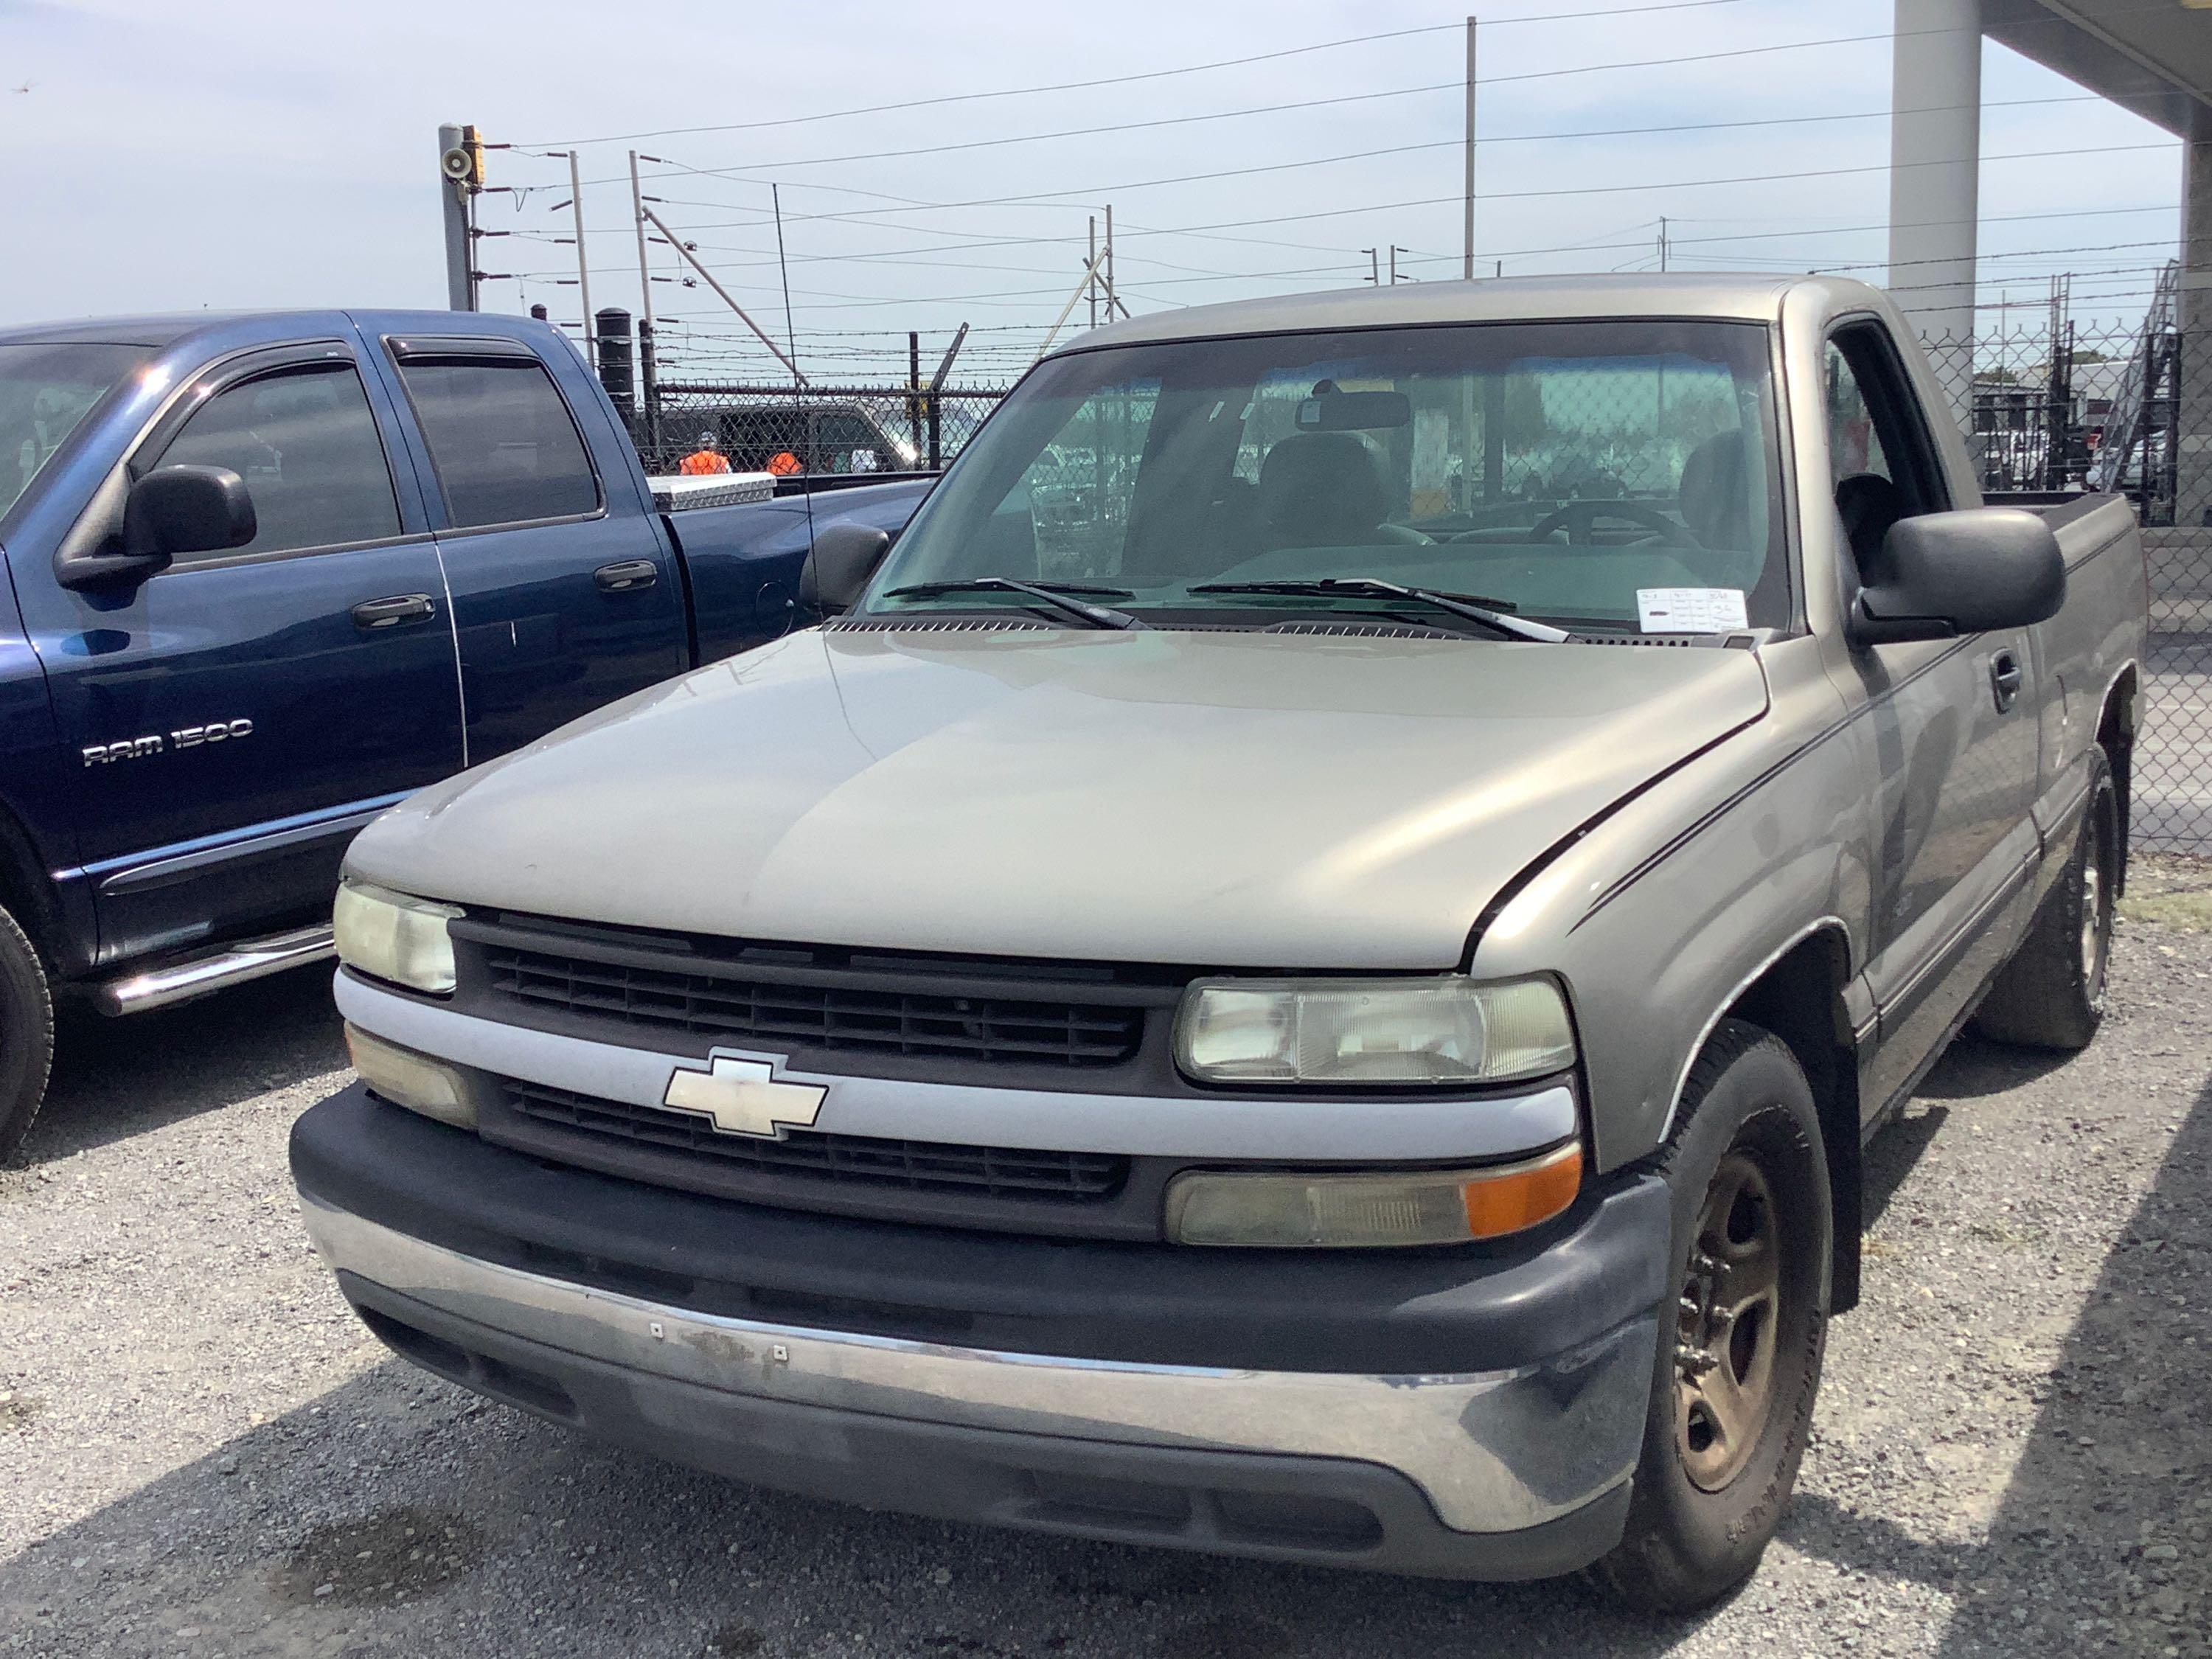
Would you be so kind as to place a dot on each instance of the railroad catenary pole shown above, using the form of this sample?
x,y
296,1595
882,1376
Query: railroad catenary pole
x,y
453,193
583,263
1467,260
648,370
1112,299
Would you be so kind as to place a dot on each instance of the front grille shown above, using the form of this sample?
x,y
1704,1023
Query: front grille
x,y
730,1007
928,1166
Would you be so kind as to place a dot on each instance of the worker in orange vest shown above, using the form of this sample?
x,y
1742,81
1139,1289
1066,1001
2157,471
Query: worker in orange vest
x,y
707,457
784,464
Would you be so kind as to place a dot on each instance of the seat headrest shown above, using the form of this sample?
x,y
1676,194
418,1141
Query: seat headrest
x,y
1321,489
1712,493
1869,505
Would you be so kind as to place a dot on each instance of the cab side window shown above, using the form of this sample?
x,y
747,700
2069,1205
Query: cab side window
x,y
1853,447
501,441
1881,458
306,443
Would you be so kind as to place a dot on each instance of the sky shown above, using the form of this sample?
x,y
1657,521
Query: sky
x,y
265,153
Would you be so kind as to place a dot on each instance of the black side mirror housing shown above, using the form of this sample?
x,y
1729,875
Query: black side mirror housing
x,y
171,510
1972,571
187,509
844,557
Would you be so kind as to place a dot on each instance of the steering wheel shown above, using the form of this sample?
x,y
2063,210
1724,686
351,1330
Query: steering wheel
x,y
1584,515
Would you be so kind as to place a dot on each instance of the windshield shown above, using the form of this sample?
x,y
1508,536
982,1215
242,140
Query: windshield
x,y
45,389
1583,472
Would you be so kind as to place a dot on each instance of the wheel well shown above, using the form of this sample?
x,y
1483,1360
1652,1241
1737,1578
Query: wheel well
x,y
25,893
1800,998
2116,733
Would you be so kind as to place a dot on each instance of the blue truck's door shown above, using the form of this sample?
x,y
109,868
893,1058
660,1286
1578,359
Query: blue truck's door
x,y
566,592
232,719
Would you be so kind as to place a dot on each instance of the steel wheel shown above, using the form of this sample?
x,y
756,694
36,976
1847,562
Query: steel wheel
x,y
1726,1324
2096,924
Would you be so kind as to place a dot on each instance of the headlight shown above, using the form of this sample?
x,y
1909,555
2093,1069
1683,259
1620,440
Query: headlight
x,y
390,936
416,1081
1422,1206
1358,1032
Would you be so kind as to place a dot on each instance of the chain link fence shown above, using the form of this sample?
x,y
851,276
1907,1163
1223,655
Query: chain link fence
x,y
810,431
2053,412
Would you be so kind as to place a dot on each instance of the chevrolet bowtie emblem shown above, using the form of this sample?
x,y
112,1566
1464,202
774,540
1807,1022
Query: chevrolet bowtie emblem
x,y
744,1098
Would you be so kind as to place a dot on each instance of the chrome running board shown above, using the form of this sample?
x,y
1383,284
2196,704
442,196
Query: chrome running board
x,y
157,988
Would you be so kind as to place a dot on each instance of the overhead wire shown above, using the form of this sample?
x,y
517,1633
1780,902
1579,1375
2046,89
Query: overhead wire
x,y
1610,12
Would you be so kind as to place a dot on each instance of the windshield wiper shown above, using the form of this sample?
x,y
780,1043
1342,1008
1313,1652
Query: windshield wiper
x,y
1469,605
1060,596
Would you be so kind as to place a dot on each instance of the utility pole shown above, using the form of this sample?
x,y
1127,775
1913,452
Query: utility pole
x,y
1662,241
1467,260
1112,300
456,165
583,263
1089,261
1394,277
1374,271
914,388
648,370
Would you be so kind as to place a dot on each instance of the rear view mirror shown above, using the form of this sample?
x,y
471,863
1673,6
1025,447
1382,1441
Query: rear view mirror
x,y
844,557
1355,411
1973,571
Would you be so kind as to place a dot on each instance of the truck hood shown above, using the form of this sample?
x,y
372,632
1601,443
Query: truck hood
x,y
1231,798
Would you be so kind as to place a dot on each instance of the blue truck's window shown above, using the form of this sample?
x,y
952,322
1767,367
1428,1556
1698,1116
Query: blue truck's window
x,y
306,444
501,440
46,388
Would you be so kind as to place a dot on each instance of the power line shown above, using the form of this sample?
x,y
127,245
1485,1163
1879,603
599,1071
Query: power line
x,y
1683,184
1118,80
1525,195
1400,150
1316,103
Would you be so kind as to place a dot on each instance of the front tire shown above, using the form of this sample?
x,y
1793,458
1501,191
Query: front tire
x,y
1740,1367
2051,994
27,1034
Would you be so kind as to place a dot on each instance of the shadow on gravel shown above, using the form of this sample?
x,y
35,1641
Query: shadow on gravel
x,y
392,1515
2103,1539
1971,1069
116,1077
1891,1156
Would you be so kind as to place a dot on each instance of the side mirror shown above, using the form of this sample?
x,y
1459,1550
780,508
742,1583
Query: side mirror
x,y
1973,571
187,509
171,510
845,556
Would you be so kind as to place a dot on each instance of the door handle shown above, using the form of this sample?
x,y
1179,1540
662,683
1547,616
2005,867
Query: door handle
x,y
626,576
2005,678
373,615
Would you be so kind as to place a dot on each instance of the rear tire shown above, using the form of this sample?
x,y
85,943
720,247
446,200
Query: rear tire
x,y
1740,1348
27,1034
2051,994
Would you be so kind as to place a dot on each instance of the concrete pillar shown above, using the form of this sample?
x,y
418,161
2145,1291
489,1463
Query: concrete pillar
x,y
1935,179
2193,464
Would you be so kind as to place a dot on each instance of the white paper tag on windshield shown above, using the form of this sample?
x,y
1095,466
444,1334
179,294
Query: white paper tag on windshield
x,y
1690,610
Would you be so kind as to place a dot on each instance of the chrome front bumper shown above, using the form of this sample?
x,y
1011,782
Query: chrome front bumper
x,y
1493,1452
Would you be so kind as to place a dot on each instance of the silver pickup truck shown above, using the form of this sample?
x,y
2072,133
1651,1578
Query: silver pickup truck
x,y
1300,970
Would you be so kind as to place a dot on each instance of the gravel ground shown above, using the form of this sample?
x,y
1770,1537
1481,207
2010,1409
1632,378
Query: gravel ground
x,y
202,1453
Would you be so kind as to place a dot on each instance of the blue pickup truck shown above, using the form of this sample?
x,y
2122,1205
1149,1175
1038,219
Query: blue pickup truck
x,y
262,576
